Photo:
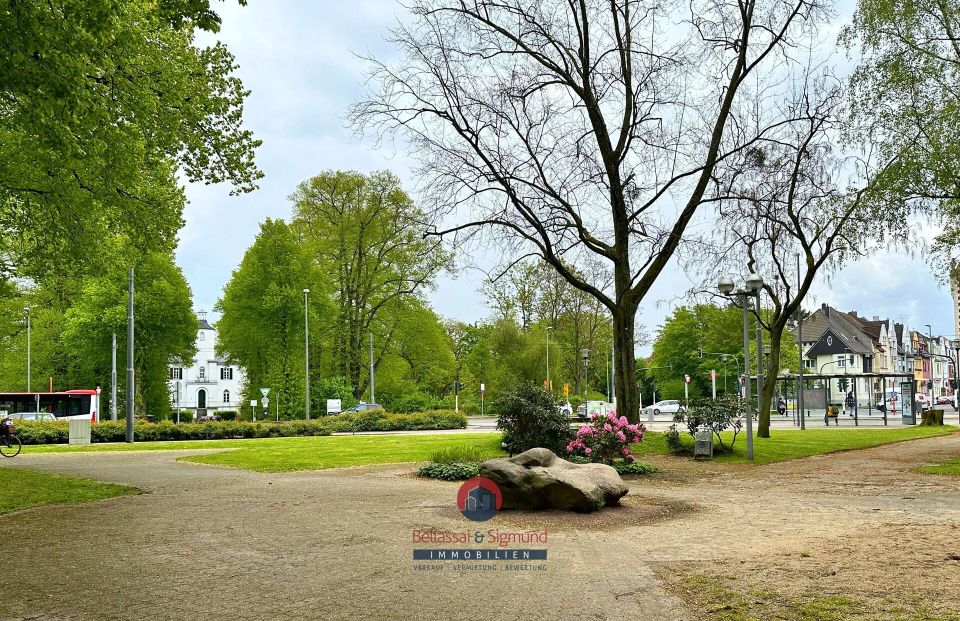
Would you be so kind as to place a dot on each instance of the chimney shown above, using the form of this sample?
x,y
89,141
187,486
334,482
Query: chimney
x,y
825,309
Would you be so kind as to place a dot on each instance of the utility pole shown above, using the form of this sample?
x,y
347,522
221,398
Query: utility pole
x,y
306,353
372,397
759,355
113,379
799,402
131,386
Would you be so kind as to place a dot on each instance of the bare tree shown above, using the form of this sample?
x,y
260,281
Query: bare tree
x,y
794,207
580,128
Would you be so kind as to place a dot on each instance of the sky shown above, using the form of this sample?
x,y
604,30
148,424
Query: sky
x,y
299,59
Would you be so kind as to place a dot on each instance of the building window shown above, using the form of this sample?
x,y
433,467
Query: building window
x,y
226,373
807,364
176,373
226,396
841,361
201,336
203,374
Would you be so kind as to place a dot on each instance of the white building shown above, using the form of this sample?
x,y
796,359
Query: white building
x,y
210,385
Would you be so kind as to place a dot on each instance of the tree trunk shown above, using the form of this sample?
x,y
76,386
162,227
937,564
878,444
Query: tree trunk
x,y
625,367
769,381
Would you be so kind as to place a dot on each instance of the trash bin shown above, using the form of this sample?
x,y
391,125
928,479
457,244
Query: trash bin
x,y
703,445
80,431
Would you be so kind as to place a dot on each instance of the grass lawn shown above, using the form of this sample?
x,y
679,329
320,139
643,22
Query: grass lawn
x,y
951,467
794,444
314,453
20,489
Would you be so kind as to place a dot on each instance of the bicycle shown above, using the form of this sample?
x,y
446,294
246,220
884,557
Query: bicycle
x,y
10,444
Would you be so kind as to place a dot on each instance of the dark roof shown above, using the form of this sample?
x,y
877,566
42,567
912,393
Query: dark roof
x,y
205,325
849,328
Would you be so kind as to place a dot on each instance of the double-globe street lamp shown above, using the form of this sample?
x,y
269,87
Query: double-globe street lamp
x,y
751,288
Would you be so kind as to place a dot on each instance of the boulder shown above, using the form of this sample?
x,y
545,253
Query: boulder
x,y
538,479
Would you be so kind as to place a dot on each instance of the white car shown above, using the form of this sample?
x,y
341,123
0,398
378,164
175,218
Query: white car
x,y
669,406
34,416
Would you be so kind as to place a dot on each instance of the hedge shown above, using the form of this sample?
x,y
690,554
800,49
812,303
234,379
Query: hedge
x,y
32,432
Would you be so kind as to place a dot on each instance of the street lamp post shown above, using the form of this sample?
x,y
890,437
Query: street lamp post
x,y
930,356
752,285
306,352
549,385
585,354
27,310
956,374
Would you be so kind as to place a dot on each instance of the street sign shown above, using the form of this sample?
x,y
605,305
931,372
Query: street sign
x,y
713,375
334,406
686,379
264,392
265,402
566,390
253,403
483,388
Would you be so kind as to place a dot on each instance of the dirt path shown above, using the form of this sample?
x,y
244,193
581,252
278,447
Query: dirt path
x,y
218,543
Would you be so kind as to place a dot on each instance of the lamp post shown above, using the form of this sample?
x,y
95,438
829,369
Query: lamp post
x,y
930,357
27,310
549,385
956,372
752,285
306,352
585,354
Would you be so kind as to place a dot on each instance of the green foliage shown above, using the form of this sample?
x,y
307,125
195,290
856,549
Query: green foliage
x,y
530,417
450,471
105,102
716,416
262,324
383,421
369,237
165,324
715,330
458,454
634,467
672,438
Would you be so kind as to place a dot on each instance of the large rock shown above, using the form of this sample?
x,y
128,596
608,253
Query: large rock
x,y
538,479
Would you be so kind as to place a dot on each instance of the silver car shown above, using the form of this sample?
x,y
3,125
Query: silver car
x,y
668,406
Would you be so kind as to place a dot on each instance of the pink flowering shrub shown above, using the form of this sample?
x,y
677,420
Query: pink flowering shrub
x,y
606,438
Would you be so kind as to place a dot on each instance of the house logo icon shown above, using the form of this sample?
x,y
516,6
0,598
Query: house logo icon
x,y
479,499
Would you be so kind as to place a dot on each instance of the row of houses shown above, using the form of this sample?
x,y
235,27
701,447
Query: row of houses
x,y
839,343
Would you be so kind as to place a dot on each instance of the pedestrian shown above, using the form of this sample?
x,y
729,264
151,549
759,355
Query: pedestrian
x,y
851,402
782,406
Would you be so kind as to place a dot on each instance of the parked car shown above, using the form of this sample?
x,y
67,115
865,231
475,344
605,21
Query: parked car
x,y
944,400
366,407
668,406
566,409
35,416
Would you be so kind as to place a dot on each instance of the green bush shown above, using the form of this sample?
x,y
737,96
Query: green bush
x,y
672,437
450,472
715,416
116,431
530,417
634,467
458,454
383,421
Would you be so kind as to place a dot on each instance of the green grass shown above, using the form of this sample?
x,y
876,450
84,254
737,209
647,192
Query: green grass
x,y
20,489
314,453
794,444
285,454
949,467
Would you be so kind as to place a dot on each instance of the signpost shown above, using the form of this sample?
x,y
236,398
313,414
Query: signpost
x,y
334,406
253,406
483,389
713,383
686,389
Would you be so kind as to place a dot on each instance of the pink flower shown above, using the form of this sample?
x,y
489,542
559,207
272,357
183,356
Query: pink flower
x,y
623,420
621,436
631,458
588,450
637,439
607,427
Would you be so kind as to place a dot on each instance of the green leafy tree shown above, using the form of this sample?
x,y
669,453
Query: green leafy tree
x,y
102,102
165,329
261,327
369,237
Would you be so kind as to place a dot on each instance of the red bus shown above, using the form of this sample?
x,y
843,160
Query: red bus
x,y
67,404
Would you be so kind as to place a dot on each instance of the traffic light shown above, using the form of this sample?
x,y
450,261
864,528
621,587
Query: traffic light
x,y
843,383
699,352
457,387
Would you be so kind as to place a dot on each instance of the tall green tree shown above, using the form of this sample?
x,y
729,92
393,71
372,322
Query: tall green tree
x,y
165,329
102,102
369,237
261,327
907,103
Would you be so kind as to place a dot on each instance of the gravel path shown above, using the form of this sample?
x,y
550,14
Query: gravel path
x,y
218,543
